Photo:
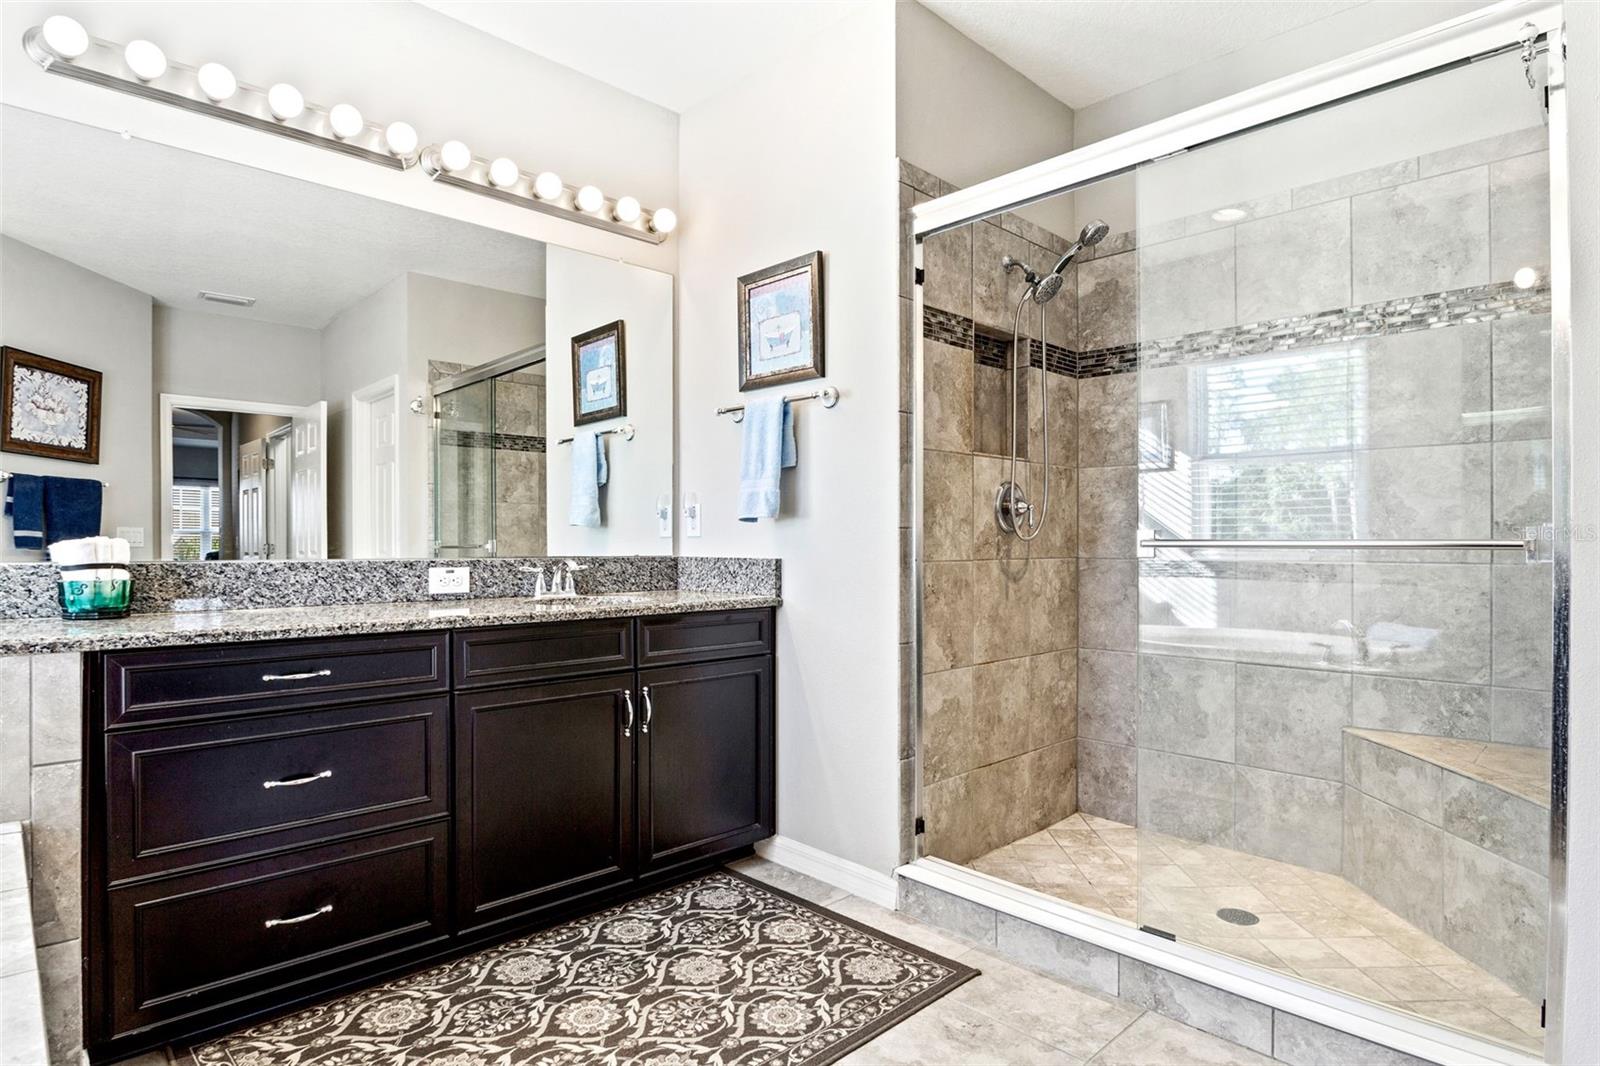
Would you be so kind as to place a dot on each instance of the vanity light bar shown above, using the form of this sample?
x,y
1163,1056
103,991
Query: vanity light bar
x,y
453,164
62,46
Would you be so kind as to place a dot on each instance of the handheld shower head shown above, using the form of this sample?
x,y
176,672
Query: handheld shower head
x,y
1088,237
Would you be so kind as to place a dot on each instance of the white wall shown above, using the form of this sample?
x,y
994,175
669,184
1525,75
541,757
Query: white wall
x,y
469,324
1580,1021
833,189
582,292
1326,39
54,308
964,116
394,61
364,343
232,358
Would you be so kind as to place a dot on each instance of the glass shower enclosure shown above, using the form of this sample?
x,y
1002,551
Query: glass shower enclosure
x,y
1275,676
489,458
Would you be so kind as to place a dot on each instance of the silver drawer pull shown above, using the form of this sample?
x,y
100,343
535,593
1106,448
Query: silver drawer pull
x,y
627,726
273,923
297,677
649,711
290,782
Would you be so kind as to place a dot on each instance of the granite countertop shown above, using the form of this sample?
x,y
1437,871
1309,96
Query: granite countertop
x,y
25,636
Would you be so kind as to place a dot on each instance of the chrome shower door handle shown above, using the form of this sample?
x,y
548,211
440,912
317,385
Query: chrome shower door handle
x,y
649,710
627,725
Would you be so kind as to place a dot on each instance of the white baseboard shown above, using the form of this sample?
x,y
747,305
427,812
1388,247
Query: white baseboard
x,y
854,878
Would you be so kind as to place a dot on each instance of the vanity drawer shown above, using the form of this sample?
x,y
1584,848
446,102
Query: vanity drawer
x,y
184,795
177,683
512,655
192,942
688,638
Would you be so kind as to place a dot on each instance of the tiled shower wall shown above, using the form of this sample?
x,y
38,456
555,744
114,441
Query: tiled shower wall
x,y
1243,746
1000,615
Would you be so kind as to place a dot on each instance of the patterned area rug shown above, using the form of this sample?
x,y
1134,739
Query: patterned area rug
x,y
718,971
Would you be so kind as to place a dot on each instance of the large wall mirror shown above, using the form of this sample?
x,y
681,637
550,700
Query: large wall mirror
x,y
293,371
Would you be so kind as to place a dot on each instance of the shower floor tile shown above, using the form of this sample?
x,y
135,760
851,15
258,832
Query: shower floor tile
x,y
1312,924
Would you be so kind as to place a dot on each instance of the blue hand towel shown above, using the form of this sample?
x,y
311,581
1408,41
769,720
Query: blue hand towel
x,y
768,451
588,474
25,505
71,508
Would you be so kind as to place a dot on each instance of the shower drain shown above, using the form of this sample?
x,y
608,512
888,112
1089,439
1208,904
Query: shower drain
x,y
1237,916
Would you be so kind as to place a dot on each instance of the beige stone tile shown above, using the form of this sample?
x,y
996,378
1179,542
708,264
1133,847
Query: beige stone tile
x,y
1424,949
898,925
1074,838
1347,979
1073,1020
1040,853
1469,978
792,881
1278,924
1474,1017
949,1033
1412,982
1156,1041
1305,952
1519,1012
1324,924
1368,951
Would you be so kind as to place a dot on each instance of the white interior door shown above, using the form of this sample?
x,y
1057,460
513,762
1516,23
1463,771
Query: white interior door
x,y
375,488
252,501
280,464
308,497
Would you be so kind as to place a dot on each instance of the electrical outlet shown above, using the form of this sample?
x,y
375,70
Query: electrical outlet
x,y
691,514
134,535
449,580
663,515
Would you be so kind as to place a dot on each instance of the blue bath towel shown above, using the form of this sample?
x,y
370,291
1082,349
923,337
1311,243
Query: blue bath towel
x,y
588,474
768,451
71,508
25,505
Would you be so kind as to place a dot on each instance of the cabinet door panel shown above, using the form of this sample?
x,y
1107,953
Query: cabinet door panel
x,y
705,759
544,796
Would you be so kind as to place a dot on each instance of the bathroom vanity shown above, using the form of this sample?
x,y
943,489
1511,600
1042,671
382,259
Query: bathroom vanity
x,y
268,821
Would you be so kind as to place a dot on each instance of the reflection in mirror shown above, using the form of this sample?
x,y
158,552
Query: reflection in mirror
x,y
320,374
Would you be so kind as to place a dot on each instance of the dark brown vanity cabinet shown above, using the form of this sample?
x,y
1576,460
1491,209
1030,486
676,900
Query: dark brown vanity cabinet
x,y
267,823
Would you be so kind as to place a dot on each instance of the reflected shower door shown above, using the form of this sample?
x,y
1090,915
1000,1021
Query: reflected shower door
x,y
1341,755
464,472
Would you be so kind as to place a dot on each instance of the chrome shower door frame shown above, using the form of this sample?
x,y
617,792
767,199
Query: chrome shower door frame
x,y
1492,30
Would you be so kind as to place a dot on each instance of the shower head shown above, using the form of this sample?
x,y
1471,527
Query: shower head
x,y
1047,288
1091,235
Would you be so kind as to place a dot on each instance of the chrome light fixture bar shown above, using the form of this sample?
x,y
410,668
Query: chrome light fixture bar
x,y
453,164
62,46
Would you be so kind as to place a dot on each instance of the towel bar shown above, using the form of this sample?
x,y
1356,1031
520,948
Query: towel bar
x,y
625,432
827,394
5,474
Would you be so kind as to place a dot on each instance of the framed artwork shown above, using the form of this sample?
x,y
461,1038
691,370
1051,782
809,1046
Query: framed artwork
x,y
780,323
600,374
48,407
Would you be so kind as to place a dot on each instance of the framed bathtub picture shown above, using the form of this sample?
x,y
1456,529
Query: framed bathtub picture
x,y
600,374
780,323
48,407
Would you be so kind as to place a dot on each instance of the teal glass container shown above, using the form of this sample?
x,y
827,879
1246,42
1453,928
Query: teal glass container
x,y
91,599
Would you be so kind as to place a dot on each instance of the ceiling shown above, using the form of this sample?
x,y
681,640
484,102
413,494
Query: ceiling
x,y
171,223
674,54
1082,52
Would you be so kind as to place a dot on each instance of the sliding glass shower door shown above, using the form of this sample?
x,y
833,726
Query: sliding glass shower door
x,y
1340,765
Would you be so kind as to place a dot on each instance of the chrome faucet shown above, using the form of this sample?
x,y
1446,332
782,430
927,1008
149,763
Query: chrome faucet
x,y
1359,635
563,584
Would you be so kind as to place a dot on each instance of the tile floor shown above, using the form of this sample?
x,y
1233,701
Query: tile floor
x,y
1007,1016
1312,924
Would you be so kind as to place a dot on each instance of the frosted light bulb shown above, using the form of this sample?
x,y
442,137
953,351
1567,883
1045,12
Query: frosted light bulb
x,y
665,220
285,102
65,36
1525,278
454,156
627,210
145,60
503,173
217,82
547,186
345,121
590,199
400,138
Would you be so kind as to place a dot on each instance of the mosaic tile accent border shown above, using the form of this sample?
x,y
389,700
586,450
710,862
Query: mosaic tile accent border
x,y
508,442
1481,303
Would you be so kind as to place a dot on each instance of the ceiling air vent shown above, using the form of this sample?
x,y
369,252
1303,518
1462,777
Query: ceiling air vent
x,y
227,298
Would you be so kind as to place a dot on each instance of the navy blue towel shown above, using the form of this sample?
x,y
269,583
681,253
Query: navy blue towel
x,y
25,505
71,508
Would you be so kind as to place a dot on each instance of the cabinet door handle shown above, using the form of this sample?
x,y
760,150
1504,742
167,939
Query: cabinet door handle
x,y
290,782
627,726
273,923
649,711
297,677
